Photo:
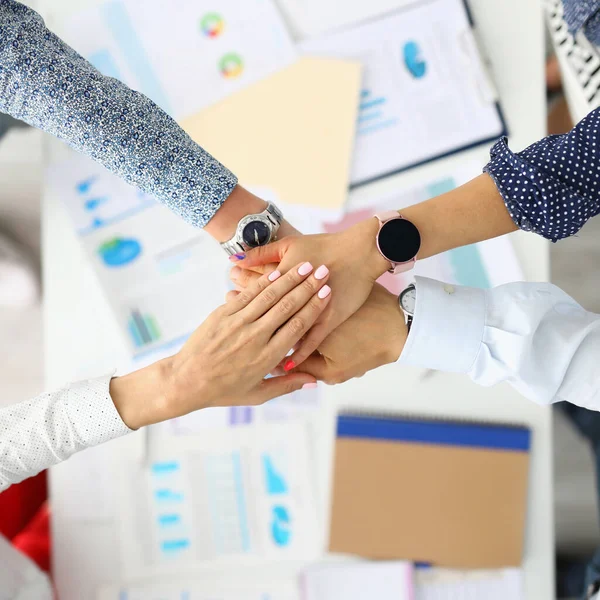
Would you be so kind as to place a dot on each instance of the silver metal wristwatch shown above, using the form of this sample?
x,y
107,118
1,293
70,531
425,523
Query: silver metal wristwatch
x,y
255,230
407,301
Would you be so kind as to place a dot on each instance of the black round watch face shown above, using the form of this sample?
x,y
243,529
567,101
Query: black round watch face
x,y
399,240
256,233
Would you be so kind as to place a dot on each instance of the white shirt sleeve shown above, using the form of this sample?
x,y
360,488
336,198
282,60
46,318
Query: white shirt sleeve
x,y
532,335
38,433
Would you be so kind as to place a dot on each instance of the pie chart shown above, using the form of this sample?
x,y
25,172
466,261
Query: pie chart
x,y
413,59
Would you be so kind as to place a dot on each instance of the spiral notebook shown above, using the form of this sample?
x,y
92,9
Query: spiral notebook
x,y
448,493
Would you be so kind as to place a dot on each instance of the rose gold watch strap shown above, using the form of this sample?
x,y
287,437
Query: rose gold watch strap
x,y
386,215
403,267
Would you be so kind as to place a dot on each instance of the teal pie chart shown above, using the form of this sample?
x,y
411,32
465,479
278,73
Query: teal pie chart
x,y
413,59
281,526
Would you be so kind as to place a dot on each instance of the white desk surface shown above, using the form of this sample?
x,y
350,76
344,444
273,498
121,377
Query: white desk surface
x,y
81,336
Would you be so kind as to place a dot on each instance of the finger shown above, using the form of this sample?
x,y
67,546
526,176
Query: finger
x,y
231,295
299,284
295,299
263,255
321,368
244,278
279,386
312,340
236,302
298,325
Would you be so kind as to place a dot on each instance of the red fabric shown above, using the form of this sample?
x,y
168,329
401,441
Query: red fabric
x,y
19,504
34,540
25,519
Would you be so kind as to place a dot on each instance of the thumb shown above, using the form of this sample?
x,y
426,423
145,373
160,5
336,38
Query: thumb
x,y
262,255
286,384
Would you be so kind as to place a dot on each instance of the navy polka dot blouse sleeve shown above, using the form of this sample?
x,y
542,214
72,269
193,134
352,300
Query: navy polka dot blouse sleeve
x,y
553,186
47,84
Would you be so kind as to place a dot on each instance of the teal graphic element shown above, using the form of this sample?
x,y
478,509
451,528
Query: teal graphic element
x,y
169,520
166,495
119,251
468,267
274,481
413,59
162,468
280,526
170,546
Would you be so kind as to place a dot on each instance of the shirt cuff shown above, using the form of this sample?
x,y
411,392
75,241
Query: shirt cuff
x,y
447,328
92,412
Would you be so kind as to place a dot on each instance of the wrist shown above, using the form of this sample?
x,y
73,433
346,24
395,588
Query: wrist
x,y
142,398
239,204
365,233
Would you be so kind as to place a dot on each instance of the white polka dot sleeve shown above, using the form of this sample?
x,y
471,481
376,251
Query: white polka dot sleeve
x,y
553,186
41,432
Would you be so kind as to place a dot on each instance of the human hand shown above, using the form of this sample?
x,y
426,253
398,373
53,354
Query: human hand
x,y
225,360
372,337
354,263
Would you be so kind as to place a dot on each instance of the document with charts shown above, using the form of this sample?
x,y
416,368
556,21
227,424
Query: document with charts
x,y
242,495
425,91
186,55
206,587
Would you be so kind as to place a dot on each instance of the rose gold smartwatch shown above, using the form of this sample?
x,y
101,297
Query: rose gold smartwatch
x,y
398,241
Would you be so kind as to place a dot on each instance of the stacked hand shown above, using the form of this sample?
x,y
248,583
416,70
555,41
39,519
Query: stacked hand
x,y
363,327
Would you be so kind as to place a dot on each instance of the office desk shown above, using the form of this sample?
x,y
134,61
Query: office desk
x,y
81,336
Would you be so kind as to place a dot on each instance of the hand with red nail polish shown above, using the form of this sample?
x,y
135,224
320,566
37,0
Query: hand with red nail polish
x,y
345,257
373,336
225,361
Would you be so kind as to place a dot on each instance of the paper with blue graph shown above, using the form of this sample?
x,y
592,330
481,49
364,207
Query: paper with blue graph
x,y
152,265
244,495
425,90
219,47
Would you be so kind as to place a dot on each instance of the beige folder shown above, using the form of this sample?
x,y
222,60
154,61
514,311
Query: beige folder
x,y
292,132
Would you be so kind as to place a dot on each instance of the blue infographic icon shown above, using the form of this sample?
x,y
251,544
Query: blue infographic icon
x,y
413,59
280,526
274,480
119,251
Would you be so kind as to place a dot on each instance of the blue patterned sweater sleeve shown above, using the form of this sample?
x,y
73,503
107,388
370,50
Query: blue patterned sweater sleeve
x,y
553,186
47,84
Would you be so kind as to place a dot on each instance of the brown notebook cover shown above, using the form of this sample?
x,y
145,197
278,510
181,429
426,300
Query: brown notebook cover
x,y
451,494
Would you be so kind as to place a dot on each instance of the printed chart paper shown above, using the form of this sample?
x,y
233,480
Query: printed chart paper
x,y
425,92
241,495
184,56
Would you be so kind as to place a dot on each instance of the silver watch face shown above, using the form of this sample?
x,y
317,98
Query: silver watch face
x,y
256,233
408,300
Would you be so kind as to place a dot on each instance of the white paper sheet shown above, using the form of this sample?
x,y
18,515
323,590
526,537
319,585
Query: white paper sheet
x,y
425,91
204,589
184,56
358,581
448,584
244,495
153,266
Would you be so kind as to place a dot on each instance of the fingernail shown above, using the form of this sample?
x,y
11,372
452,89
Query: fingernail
x,y
321,272
324,292
273,276
239,256
289,365
310,386
305,269
235,273
277,372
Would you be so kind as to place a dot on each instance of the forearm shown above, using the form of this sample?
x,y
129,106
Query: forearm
x,y
471,213
46,430
530,335
47,84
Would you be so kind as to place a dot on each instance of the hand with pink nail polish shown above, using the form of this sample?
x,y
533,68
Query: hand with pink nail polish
x,y
351,275
225,361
